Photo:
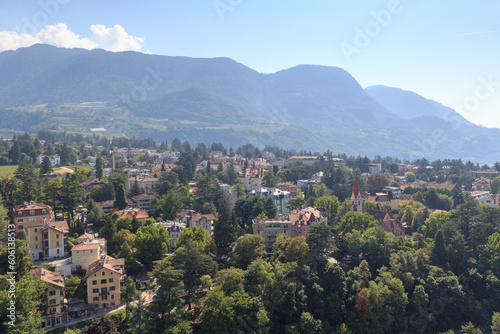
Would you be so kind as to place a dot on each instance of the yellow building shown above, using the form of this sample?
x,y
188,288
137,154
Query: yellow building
x,y
104,281
86,253
31,212
53,307
46,239
269,229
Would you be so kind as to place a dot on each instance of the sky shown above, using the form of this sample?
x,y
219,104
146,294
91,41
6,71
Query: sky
x,y
448,51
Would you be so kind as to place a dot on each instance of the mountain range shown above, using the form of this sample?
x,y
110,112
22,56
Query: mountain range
x,y
307,107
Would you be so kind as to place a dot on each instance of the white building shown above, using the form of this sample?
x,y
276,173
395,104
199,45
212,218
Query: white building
x,y
54,159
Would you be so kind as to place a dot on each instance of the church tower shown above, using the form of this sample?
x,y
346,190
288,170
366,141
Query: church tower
x,y
356,196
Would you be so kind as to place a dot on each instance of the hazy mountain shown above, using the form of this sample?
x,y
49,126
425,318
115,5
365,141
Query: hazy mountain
x,y
305,107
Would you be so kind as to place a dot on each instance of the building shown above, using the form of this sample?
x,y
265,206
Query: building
x,y
139,214
145,202
308,160
269,229
303,219
90,184
192,218
292,189
384,220
86,253
251,178
485,197
104,280
174,230
481,184
451,187
44,236
356,195
54,159
53,305
279,197
85,237
374,168
107,206
147,184
337,162
31,212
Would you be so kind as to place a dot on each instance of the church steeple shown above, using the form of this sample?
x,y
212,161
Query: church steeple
x,y
356,195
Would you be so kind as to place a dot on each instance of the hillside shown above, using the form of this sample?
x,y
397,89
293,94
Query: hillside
x,y
305,107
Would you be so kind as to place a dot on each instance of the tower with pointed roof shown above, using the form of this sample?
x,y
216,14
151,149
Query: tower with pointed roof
x,y
356,195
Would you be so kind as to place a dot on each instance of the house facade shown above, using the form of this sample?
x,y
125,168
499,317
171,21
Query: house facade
x,y
53,307
104,280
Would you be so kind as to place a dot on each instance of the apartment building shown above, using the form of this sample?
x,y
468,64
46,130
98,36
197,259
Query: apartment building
x,y
251,178
269,229
31,212
104,280
86,253
53,305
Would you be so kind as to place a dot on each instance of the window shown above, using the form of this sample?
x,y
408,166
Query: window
x,y
104,281
36,230
111,280
111,288
52,301
94,282
36,238
36,246
57,243
96,299
43,211
52,292
58,251
96,290
57,236
112,296
32,212
104,290
20,227
19,213
104,298
103,273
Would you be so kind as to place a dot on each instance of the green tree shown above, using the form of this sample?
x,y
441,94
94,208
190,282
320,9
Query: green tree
x,y
269,180
377,182
30,189
295,203
99,167
492,252
226,226
46,165
194,265
356,221
410,177
331,205
434,223
469,328
29,290
152,243
199,237
71,196
495,185
136,189
127,294
23,260
270,208
121,198
495,323
247,249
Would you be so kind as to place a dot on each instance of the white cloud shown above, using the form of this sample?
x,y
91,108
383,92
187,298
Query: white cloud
x,y
111,39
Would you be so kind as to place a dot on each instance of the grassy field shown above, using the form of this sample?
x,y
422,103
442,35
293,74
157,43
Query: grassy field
x,y
6,171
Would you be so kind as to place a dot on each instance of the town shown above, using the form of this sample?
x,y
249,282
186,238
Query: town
x,y
166,235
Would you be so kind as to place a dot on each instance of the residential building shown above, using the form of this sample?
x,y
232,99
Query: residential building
x,y
31,212
54,159
174,230
251,178
384,220
192,218
308,160
53,305
485,197
481,184
269,229
449,186
86,253
90,184
104,279
317,177
147,184
292,189
279,197
303,219
139,214
374,168
145,202
107,206
85,237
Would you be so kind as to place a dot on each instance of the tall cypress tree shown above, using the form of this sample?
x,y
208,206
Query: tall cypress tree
x,y
226,226
439,250
121,198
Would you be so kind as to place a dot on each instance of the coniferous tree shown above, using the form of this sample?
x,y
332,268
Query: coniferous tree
x,y
99,167
226,226
439,250
121,198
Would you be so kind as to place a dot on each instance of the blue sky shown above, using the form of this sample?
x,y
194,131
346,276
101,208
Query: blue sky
x,y
445,50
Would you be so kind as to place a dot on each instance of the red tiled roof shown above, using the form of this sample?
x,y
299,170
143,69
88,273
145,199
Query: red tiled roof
x,y
51,277
107,262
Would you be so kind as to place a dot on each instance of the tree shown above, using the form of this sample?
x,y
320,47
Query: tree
x,y
46,165
127,294
295,203
296,251
495,185
199,237
439,250
469,328
377,182
331,205
23,260
99,166
492,252
101,325
434,223
269,180
193,265
226,226
270,208
30,187
136,189
121,198
356,221
247,249
28,292
71,196
410,177
152,243
495,323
